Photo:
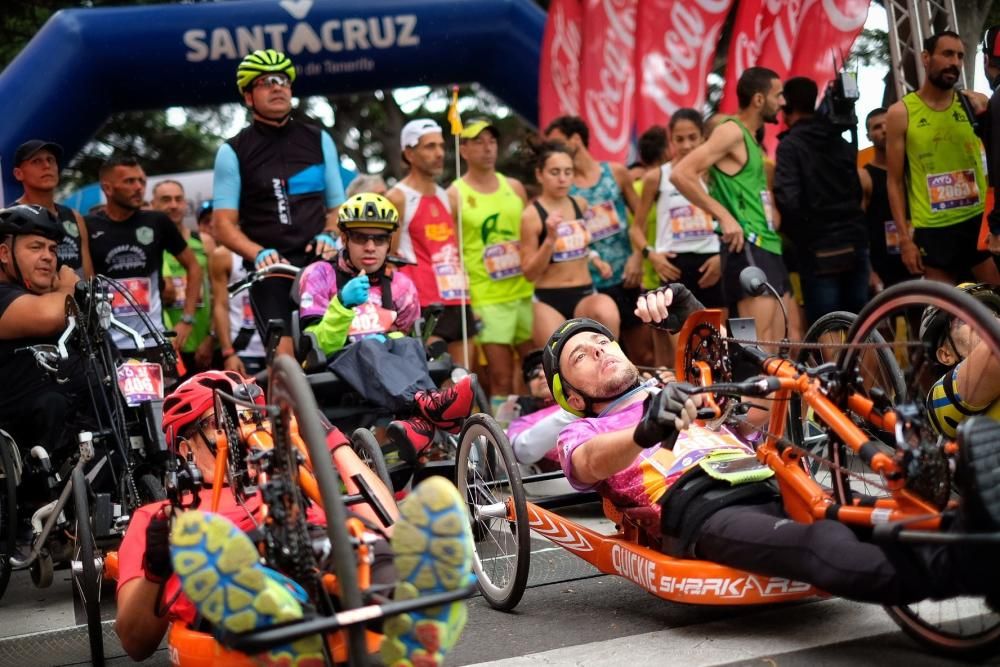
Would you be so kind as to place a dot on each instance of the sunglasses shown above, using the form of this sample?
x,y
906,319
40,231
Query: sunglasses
x,y
536,373
273,81
362,239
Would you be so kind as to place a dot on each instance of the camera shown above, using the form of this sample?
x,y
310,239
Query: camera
x,y
839,99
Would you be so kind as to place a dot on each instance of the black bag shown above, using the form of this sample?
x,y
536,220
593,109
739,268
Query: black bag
x,y
387,373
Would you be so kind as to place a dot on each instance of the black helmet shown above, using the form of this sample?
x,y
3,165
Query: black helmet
x,y
934,321
30,219
530,362
553,348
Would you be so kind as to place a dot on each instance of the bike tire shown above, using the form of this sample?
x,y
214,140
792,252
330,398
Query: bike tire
x,y
929,623
483,448
8,508
288,388
87,576
365,445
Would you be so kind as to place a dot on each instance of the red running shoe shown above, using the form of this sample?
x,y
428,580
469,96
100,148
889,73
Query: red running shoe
x,y
446,408
411,436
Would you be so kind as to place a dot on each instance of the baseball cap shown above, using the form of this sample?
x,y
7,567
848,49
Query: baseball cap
x,y
476,127
29,148
412,131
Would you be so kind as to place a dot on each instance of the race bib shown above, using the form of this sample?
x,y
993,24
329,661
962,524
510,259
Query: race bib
x,y
369,320
765,199
571,241
140,381
140,289
891,238
690,222
247,320
955,189
451,281
602,221
503,260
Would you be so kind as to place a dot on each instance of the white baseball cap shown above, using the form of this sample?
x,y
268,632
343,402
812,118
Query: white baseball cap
x,y
412,131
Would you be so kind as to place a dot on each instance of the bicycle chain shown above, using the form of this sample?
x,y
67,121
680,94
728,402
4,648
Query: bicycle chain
x,y
821,346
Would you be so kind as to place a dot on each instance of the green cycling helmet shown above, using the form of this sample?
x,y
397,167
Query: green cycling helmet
x,y
261,62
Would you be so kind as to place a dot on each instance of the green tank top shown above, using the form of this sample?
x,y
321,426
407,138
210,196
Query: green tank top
x,y
946,184
491,240
173,271
746,197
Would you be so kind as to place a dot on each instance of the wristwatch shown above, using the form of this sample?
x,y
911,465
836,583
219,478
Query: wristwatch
x,y
645,251
187,319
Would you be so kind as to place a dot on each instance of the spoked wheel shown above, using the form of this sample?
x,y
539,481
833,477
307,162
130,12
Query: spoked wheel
x,y
86,570
489,480
289,390
365,445
962,626
8,507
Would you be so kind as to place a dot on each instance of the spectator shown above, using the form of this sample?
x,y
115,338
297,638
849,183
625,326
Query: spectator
x,y
818,194
654,151
240,345
991,132
936,182
197,352
491,205
607,189
36,168
887,267
367,183
428,235
205,226
127,243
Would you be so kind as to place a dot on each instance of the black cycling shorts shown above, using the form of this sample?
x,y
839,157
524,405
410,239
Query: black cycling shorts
x,y
625,298
449,324
563,299
952,249
733,263
689,263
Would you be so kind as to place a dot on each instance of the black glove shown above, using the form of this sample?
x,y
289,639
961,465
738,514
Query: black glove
x,y
156,561
683,304
661,411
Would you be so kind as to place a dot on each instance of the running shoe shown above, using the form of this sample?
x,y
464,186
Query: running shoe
x,y
220,571
446,408
432,548
411,437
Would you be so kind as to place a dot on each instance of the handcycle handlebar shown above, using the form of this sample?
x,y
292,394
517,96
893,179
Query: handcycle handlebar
x,y
270,270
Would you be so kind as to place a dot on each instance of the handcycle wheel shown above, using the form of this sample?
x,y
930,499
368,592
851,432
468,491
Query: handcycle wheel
x,y
88,575
962,626
489,480
289,390
365,445
8,508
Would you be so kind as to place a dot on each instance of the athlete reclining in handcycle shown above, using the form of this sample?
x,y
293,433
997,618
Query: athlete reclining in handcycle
x,y
637,448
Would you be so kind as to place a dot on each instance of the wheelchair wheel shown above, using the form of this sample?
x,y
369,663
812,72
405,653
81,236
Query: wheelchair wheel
x,y
963,626
365,445
489,480
289,390
86,571
8,508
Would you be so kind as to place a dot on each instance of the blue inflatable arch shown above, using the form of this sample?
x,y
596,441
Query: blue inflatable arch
x,y
85,64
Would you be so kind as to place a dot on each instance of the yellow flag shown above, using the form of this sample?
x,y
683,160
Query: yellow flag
x,y
453,117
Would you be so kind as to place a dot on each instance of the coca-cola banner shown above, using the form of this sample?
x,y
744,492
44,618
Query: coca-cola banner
x,y
675,46
833,27
607,100
559,74
752,26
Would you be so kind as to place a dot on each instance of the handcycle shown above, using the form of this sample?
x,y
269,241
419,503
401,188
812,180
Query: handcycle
x,y
279,451
79,504
346,409
869,460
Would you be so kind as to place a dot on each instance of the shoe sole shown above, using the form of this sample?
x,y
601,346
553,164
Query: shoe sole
x,y
432,548
220,572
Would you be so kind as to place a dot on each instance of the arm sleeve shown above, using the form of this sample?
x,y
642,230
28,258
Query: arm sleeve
x,y
531,444
334,183
331,331
226,179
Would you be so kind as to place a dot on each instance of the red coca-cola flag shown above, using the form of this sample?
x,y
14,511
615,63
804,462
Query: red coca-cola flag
x,y
675,46
607,93
778,51
833,25
562,49
751,28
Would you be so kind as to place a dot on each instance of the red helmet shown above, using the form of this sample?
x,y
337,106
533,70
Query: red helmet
x,y
194,396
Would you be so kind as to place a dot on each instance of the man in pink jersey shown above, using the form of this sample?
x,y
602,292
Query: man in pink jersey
x,y
428,236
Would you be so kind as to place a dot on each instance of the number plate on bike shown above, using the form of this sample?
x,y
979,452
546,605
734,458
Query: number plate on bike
x,y
140,381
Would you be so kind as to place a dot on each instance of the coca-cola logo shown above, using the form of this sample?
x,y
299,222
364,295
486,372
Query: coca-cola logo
x,y
674,74
564,57
784,32
608,106
846,15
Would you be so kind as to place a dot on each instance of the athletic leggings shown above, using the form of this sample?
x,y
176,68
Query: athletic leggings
x,y
830,556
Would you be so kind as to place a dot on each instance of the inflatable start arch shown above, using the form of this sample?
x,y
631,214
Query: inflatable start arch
x,y
85,64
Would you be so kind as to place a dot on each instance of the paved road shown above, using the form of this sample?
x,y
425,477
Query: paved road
x,y
570,615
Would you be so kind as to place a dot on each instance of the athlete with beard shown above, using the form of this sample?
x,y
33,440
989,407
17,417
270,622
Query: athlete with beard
x,y
935,163
739,198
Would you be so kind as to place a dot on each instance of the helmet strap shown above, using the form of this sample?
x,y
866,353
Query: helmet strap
x,y
18,277
589,401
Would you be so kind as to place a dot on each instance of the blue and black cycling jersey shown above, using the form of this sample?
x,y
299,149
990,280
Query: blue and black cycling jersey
x,y
282,180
